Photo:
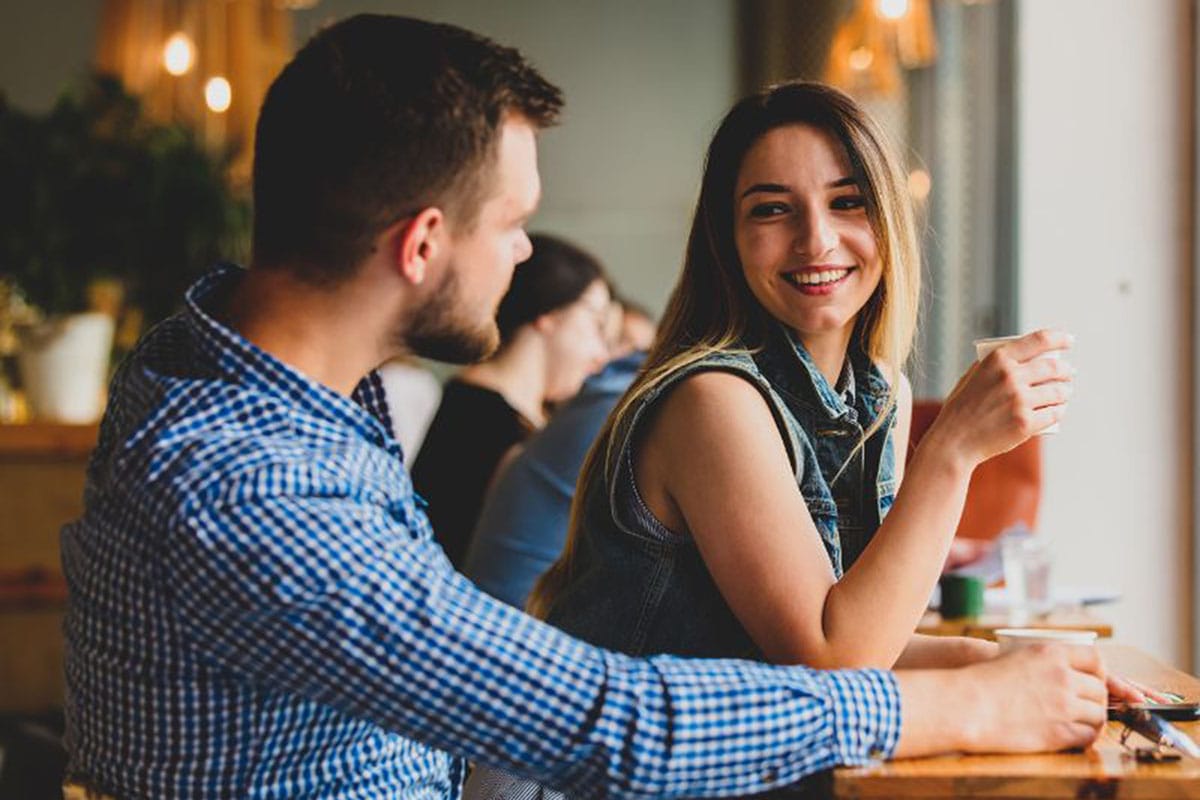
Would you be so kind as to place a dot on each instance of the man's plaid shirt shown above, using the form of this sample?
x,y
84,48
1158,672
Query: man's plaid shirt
x,y
258,610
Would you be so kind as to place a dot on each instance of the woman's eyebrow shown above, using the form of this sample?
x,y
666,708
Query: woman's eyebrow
x,y
768,188
780,188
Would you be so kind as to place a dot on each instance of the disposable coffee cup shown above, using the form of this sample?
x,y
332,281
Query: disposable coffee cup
x,y
1012,638
985,346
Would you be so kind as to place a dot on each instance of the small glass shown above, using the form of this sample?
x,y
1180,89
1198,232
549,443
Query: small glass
x,y
1026,578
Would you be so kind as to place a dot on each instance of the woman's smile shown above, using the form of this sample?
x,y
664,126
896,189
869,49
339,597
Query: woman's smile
x,y
823,279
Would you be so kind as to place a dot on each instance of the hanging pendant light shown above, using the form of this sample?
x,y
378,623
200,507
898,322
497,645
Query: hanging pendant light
x,y
916,40
862,60
179,54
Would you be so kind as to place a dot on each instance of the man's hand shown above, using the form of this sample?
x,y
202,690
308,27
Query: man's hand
x,y
1038,698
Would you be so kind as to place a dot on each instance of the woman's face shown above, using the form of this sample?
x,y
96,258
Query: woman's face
x,y
576,341
802,233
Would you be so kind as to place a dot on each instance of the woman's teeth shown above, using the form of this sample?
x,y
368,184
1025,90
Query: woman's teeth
x,y
817,278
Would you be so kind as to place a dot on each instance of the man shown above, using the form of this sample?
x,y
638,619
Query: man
x,y
257,606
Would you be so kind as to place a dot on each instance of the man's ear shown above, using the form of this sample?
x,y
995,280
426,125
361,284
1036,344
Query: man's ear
x,y
418,241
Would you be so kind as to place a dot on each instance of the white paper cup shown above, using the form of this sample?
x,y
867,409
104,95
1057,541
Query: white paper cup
x,y
1012,638
985,346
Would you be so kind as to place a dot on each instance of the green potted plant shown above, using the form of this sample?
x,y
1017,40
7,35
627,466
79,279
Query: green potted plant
x,y
97,202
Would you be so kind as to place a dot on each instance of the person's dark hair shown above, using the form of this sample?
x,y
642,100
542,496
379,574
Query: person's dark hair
x,y
555,276
376,118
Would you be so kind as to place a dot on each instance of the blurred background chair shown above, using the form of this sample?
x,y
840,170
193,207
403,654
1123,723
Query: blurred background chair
x,y
1004,491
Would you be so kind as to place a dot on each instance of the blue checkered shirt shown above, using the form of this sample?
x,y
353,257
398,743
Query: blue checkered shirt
x,y
258,610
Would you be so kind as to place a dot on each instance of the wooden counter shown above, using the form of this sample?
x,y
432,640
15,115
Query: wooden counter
x,y
47,440
42,471
984,627
1102,771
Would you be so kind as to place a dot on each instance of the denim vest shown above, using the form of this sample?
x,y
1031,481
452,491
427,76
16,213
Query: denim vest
x,y
642,589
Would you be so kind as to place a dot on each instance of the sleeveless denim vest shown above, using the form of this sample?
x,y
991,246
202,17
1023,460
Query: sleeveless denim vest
x,y
642,589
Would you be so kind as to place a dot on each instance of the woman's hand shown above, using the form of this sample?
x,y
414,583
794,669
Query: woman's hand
x,y
1003,399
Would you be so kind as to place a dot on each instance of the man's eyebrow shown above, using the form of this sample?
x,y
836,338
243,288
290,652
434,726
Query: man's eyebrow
x,y
780,188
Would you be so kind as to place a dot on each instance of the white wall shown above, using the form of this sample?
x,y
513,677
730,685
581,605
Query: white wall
x,y
44,48
1103,188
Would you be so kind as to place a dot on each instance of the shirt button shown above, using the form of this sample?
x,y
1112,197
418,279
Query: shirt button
x,y
770,776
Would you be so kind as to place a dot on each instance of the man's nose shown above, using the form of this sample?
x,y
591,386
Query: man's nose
x,y
524,248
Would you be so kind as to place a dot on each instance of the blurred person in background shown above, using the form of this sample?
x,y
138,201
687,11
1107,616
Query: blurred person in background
x,y
636,328
552,325
523,523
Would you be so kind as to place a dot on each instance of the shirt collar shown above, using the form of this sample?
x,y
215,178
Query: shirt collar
x,y
860,384
829,398
241,361
846,386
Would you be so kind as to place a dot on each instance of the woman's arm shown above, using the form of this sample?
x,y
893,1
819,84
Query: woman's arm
x,y
713,464
942,652
929,652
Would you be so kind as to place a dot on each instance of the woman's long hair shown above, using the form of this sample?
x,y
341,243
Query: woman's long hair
x,y
712,308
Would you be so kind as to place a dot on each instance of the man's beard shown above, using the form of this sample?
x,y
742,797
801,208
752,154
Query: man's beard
x,y
439,330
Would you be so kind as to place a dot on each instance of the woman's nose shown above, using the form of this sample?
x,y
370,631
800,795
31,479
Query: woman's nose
x,y
815,234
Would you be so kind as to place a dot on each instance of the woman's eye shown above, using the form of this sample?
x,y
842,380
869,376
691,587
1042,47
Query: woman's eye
x,y
768,210
848,202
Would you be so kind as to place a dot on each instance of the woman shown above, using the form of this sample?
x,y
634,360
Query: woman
x,y
743,490
742,499
552,324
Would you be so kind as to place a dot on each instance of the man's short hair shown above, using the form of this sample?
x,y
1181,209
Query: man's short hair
x,y
376,118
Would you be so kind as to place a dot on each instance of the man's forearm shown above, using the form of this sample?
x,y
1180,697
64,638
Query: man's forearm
x,y
938,713
396,637
719,728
